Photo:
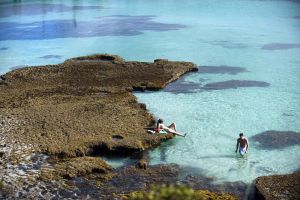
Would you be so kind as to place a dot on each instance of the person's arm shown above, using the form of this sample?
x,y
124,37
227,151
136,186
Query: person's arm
x,y
247,144
237,145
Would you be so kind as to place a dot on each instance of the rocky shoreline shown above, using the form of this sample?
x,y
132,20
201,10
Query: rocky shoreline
x,y
56,121
278,187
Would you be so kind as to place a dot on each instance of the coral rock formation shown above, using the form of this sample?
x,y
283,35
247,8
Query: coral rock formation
x,y
278,187
77,107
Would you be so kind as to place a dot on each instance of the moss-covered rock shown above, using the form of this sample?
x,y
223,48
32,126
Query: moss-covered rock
x,y
82,108
178,192
1,185
78,107
278,187
74,167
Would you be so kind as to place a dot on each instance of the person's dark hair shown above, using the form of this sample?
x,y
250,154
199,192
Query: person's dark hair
x,y
159,121
241,134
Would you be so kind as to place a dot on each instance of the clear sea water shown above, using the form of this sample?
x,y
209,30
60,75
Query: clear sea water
x,y
260,38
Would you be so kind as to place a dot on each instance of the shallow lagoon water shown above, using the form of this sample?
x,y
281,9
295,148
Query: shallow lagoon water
x,y
258,40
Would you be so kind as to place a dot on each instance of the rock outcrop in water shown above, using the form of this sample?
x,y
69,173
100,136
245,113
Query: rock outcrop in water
x,y
76,108
72,111
277,187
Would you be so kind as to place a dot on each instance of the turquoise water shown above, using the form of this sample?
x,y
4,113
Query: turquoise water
x,y
260,39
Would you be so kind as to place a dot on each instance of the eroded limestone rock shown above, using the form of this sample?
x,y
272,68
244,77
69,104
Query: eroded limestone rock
x,y
70,111
277,187
71,108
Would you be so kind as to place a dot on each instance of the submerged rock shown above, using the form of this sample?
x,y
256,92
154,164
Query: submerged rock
x,y
50,56
222,69
277,139
277,187
234,84
183,86
280,46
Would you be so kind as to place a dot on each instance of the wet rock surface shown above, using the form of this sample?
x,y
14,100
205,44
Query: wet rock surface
x,y
119,183
277,139
278,187
75,167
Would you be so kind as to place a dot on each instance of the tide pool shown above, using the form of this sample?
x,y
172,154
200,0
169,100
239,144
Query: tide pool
x,y
249,50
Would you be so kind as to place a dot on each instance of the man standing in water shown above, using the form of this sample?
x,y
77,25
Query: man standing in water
x,y
242,144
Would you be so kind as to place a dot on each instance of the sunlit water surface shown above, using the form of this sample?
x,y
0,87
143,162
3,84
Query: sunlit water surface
x,y
258,41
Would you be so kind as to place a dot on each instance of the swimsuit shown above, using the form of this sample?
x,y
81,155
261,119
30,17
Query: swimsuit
x,y
242,151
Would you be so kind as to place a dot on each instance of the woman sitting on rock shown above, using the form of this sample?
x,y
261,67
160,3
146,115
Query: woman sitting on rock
x,y
170,129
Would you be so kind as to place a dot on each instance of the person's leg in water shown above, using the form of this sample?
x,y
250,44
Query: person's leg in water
x,y
173,126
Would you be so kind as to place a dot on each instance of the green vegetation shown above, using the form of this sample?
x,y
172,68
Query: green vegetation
x,y
177,192
1,185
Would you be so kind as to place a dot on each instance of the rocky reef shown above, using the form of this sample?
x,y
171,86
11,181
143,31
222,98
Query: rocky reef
x,y
54,119
84,105
278,187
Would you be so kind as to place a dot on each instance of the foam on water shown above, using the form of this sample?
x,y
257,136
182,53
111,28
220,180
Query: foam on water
x,y
260,39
